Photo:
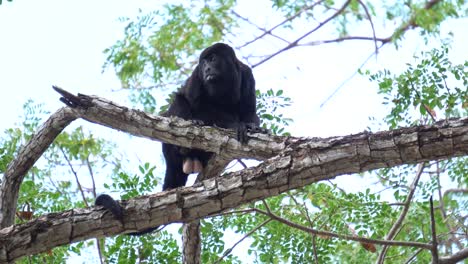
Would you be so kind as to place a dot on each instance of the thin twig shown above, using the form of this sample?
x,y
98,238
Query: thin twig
x,y
372,25
403,28
348,79
396,226
76,176
340,39
294,43
340,236
227,252
435,253
99,242
88,163
414,255
282,23
441,208
266,32
242,163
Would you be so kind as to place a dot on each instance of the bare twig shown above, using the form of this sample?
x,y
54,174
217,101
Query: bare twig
x,y
294,43
228,251
414,255
442,210
434,251
302,10
371,23
403,28
340,39
99,242
396,226
266,32
347,79
91,173
76,177
242,163
346,237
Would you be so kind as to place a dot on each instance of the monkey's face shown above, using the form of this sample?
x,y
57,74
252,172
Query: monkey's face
x,y
220,74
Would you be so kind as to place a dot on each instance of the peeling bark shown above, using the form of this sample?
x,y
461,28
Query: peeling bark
x,y
191,242
303,161
27,156
191,236
176,131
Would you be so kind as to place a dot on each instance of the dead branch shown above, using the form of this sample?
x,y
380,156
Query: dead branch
x,y
298,162
27,156
301,163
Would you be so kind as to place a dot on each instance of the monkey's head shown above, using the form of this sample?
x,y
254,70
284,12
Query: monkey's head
x,y
219,72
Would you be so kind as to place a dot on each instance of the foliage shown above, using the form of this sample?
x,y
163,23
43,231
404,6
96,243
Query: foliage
x,y
158,248
7,1
425,87
268,106
431,87
135,185
159,50
156,48
42,191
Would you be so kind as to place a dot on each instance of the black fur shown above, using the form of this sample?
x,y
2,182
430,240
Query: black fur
x,y
221,92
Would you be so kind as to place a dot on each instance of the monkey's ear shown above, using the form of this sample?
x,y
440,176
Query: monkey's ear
x,y
193,88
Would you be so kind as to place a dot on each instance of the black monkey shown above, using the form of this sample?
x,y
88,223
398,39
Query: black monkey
x,y
221,92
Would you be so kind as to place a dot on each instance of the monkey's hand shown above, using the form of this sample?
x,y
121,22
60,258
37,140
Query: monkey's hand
x,y
116,209
110,204
243,128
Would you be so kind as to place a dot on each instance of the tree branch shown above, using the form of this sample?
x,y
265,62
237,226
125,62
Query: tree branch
x,y
295,43
301,161
25,159
229,250
270,31
393,231
411,23
434,249
341,236
455,258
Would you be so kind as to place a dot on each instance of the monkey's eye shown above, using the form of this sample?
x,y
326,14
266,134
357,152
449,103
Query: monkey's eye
x,y
211,58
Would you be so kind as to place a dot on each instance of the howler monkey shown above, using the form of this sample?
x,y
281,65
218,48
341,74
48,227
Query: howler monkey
x,y
221,92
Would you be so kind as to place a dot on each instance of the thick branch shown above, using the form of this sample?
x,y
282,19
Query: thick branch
x,y
174,130
27,156
302,162
455,258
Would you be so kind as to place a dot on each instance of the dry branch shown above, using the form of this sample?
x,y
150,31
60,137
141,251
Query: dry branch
x,y
301,161
27,156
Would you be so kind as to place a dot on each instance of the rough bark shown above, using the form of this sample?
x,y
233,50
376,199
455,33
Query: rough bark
x,y
104,112
176,131
27,156
303,161
191,236
191,242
